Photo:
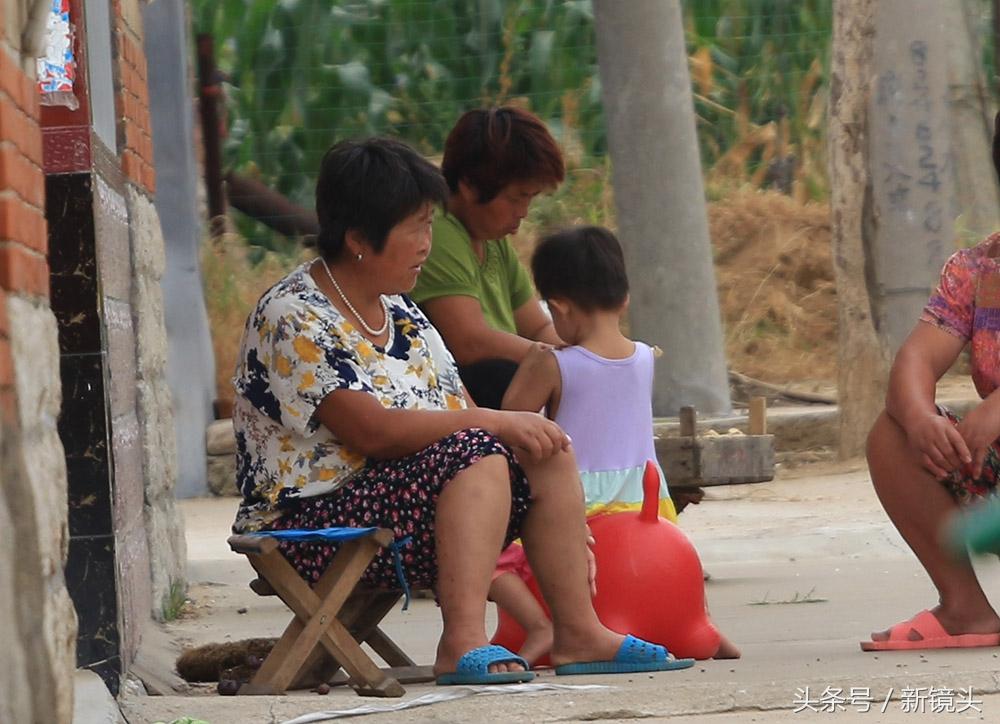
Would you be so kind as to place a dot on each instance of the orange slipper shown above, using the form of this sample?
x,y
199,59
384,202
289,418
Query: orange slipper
x,y
904,637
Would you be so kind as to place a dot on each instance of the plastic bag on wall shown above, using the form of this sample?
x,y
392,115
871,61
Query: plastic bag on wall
x,y
57,68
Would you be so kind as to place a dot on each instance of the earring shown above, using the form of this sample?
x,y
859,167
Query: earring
x,y
359,256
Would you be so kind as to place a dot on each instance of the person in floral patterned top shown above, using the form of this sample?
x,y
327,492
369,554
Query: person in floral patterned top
x,y
350,412
926,462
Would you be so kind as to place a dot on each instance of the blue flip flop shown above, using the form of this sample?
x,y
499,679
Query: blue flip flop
x,y
473,668
634,655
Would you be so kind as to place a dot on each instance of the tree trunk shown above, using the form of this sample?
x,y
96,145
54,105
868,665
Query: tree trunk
x,y
660,199
861,355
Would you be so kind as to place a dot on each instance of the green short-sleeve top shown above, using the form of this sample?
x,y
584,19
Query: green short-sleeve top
x,y
500,282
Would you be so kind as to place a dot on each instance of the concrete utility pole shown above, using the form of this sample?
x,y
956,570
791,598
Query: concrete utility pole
x,y
190,361
912,159
660,198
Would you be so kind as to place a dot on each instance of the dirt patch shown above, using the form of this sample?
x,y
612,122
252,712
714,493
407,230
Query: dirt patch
x,y
777,294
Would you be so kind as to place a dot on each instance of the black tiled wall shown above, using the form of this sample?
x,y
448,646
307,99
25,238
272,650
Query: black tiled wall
x,y
91,570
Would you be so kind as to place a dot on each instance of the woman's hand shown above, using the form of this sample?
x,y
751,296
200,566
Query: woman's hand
x,y
537,351
942,447
980,428
531,434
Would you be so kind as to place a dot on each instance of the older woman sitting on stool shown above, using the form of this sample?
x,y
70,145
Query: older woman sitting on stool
x,y
350,412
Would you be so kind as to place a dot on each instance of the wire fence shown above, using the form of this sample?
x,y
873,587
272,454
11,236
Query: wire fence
x,y
301,75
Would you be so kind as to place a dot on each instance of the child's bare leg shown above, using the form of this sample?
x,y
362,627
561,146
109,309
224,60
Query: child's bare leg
x,y
727,650
511,594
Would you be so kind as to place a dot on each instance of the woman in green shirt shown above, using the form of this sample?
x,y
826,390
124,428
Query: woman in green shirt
x,y
472,287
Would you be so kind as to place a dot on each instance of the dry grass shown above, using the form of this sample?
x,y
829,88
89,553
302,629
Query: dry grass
x,y
233,284
776,287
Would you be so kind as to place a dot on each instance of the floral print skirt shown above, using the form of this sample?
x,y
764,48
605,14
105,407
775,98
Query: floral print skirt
x,y
964,488
400,495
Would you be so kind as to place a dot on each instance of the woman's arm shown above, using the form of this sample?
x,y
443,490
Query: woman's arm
x,y
358,420
922,360
532,322
460,321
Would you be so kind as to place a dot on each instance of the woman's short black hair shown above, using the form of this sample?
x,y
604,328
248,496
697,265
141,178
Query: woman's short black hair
x,y
490,148
583,264
370,186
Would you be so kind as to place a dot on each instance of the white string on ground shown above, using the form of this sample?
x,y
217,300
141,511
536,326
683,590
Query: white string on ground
x,y
445,694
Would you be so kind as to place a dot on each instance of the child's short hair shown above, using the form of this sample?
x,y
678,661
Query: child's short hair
x,y
370,186
584,264
490,148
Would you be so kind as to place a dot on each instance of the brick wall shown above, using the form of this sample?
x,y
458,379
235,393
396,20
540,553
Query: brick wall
x,y
23,237
132,96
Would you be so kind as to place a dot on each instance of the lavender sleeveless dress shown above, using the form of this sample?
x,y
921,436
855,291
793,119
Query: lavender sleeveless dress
x,y
606,407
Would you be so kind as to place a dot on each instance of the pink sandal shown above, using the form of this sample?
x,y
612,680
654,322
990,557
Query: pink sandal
x,y
931,636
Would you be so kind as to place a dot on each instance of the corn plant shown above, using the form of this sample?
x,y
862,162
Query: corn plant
x,y
759,74
307,72
304,73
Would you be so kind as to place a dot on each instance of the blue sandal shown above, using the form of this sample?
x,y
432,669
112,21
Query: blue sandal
x,y
634,655
473,668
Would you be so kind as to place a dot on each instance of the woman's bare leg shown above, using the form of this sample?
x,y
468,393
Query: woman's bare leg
x,y
471,521
919,506
554,535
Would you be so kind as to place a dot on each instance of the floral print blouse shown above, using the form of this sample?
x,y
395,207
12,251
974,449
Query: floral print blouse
x,y
296,349
966,304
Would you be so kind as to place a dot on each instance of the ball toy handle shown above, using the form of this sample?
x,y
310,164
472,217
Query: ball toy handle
x,y
650,511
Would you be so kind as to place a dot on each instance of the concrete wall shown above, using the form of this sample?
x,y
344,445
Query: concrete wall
x,y
190,364
37,622
163,526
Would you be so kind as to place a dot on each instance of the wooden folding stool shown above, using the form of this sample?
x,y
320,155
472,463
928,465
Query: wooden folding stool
x,y
331,621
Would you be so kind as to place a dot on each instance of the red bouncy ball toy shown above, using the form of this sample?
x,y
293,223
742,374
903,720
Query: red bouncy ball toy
x,y
649,581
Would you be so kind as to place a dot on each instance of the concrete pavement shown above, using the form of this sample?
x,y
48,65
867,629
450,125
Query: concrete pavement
x,y
801,569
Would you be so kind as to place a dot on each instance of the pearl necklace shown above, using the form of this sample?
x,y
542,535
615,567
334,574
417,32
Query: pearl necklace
x,y
385,307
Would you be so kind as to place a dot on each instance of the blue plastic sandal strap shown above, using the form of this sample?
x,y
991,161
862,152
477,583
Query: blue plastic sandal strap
x,y
478,661
634,649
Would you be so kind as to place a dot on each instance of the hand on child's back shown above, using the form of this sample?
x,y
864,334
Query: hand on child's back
x,y
538,351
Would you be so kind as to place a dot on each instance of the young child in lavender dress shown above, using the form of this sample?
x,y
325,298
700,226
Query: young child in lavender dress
x,y
599,391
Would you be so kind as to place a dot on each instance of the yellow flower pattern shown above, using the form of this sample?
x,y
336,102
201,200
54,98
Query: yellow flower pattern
x,y
282,365
306,349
